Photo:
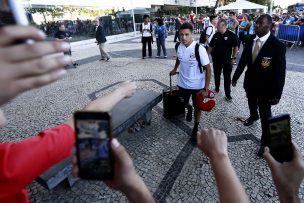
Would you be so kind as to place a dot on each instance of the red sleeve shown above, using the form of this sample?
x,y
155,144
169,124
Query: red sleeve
x,y
22,162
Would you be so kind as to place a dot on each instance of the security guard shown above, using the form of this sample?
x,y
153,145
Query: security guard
x,y
264,56
220,47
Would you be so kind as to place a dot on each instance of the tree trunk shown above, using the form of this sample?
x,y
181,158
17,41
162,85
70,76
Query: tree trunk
x,y
44,17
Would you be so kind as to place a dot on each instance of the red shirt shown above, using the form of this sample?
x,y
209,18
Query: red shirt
x,y
22,162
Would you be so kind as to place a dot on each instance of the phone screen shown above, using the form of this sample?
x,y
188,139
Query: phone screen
x,y
95,160
280,138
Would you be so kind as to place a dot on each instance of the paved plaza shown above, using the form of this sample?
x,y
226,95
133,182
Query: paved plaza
x,y
171,167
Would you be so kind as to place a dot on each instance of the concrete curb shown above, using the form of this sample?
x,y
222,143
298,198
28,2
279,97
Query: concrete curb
x,y
110,39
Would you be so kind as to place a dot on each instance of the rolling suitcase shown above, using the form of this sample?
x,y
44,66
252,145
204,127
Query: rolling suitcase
x,y
173,104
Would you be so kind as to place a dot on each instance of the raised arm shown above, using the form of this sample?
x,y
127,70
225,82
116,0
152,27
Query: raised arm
x,y
107,102
214,144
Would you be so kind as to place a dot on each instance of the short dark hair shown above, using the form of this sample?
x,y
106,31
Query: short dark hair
x,y
223,21
232,13
146,16
268,17
185,26
212,17
160,21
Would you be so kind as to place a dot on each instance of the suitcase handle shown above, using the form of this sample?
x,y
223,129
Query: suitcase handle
x,y
171,82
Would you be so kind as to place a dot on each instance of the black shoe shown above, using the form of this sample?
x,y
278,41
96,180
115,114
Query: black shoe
x,y
194,136
108,59
189,113
150,56
75,64
228,98
143,57
249,121
261,151
217,90
102,59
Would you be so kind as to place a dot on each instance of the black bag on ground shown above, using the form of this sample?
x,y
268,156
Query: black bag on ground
x,y
173,104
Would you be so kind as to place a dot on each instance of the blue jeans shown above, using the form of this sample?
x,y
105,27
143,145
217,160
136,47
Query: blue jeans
x,y
161,44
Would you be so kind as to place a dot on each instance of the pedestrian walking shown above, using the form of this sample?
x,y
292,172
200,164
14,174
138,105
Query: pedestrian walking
x,y
63,35
147,38
161,35
195,73
264,56
101,40
223,49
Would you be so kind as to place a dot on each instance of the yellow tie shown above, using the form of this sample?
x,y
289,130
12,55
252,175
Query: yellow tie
x,y
256,50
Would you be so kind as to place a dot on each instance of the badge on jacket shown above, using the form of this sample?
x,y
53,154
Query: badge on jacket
x,y
266,62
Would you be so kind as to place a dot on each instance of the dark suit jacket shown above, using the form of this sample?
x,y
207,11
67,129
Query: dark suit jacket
x,y
100,35
266,76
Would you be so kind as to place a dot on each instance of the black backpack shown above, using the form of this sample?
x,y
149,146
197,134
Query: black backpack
x,y
197,56
203,35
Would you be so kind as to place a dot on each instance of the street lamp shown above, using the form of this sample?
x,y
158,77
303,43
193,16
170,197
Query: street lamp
x,y
134,25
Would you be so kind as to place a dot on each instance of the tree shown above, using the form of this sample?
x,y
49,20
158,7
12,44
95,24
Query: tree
x,y
44,11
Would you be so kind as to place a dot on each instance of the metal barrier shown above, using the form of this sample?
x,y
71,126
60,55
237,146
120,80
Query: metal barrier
x,y
302,34
289,33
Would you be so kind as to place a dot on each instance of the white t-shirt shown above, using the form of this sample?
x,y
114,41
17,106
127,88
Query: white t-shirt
x,y
146,33
190,76
210,32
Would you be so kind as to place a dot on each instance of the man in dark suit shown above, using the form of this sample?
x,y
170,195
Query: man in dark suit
x,y
264,80
101,40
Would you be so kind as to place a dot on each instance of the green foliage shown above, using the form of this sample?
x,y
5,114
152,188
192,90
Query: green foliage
x,y
58,11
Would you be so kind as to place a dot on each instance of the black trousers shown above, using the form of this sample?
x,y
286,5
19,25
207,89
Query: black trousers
x,y
176,36
145,41
218,66
256,103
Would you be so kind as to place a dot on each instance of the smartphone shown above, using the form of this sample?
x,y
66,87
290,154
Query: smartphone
x,y
11,13
93,135
279,133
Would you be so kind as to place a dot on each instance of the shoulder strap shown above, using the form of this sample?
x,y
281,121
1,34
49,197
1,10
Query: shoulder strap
x,y
177,45
212,30
197,56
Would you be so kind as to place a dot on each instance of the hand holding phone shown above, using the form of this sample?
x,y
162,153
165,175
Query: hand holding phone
x,y
94,155
279,134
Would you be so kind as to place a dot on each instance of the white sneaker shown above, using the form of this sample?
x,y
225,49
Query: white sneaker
x,y
165,56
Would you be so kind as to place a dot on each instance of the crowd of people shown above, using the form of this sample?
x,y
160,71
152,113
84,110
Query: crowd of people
x,y
21,162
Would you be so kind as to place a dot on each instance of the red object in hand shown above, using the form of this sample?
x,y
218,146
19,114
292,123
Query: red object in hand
x,y
202,104
211,94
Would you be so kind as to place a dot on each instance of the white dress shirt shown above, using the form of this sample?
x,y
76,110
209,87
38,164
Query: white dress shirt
x,y
262,40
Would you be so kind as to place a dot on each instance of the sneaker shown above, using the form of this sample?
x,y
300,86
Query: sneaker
x,y
108,59
102,59
228,98
157,56
165,56
144,57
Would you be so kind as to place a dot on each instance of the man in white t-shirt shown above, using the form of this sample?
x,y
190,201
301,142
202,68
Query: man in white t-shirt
x,y
191,80
147,38
211,30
